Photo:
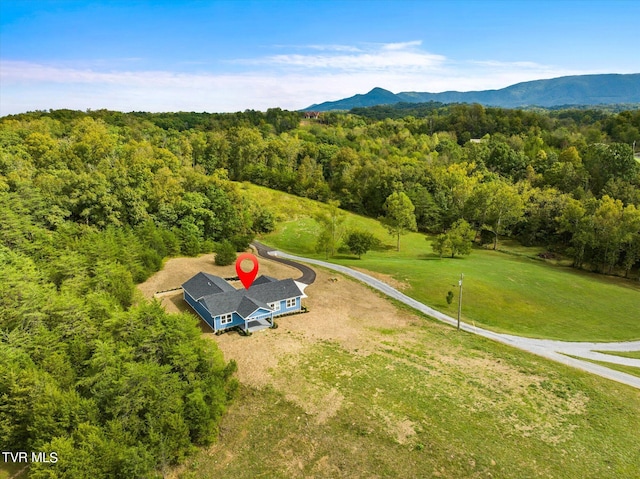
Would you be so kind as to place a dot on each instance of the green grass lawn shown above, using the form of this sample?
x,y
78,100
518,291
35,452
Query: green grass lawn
x,y
429,402
421,399
505,291
624,354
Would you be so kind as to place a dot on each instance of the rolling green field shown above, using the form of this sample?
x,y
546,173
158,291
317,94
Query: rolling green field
x,y
507,291
428,402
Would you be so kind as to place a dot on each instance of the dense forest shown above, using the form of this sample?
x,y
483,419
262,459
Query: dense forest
x,y
563,179
112,384
91,203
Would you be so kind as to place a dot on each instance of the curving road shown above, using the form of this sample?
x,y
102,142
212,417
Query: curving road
x,y
264,251
556,350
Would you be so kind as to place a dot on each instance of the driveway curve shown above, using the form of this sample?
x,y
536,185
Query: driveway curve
x,y
308,274
559,351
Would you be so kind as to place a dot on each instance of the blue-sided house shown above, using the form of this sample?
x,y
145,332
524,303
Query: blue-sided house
x,y
222,306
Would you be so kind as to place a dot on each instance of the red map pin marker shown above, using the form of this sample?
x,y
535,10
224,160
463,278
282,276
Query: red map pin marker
x,y
247,277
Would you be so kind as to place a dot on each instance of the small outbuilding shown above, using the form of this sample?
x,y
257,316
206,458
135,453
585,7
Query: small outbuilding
x,y
222,306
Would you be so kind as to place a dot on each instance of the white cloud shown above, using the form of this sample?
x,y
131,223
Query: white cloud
x,y
401,45
290,81
362,61
511,65
335,48
374,57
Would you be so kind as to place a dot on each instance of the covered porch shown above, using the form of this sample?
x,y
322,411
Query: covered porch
x,y
258,323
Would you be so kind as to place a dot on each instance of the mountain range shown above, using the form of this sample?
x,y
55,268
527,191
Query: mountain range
x,y
569,90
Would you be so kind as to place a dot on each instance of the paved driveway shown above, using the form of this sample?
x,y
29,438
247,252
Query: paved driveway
x,y
308,275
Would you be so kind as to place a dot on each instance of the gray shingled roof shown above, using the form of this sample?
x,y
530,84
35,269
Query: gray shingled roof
x,y
204,284
249,305
219,297
236,300
274,291
264,279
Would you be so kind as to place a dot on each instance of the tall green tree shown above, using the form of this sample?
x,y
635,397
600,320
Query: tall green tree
x,y
359,242
497,206
609,232
577,221
630,238
456,241
604,162
400,217
453,188
331,229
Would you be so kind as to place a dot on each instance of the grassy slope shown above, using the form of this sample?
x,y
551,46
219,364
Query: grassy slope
x,y
624,354
505,292
618,367
428,403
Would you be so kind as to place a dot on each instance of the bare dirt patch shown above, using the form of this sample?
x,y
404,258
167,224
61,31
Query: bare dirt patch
x,y
303,361
178,270
165,284
340,310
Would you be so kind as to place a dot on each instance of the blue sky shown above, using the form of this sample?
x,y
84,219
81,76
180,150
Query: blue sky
x,y
234,55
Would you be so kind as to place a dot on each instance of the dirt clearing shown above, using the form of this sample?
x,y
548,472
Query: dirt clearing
x,y
340,310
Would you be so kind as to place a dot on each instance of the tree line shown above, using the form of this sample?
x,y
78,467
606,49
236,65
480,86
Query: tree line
x,y
506,172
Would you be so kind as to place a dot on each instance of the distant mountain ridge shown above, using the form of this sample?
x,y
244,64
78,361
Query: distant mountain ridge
x,y
570,90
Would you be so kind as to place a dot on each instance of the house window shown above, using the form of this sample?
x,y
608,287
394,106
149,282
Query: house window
x,y
291,303
226,318
275,306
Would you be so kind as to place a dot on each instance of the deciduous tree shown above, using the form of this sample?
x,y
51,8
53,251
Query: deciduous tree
x,y
359,242
497,206
456,241
399,218
330,222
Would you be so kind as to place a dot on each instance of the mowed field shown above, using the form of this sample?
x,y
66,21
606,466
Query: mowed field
x,y
507,291
362,388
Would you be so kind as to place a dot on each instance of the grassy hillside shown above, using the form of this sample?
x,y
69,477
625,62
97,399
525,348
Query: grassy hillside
x,y
362,388
13,471
504,291
427,421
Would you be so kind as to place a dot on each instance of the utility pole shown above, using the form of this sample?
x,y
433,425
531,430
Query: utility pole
x,y
460,299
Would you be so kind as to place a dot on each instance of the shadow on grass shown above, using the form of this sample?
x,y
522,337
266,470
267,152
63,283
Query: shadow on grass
x,y
345,256
383,247
433,256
